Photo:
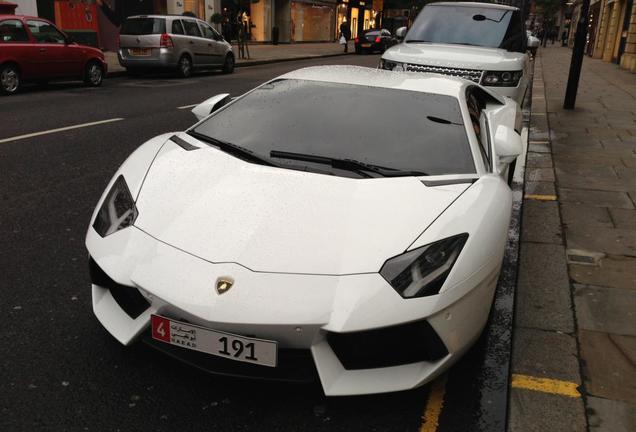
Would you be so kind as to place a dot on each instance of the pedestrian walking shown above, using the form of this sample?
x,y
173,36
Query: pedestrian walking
x,y
345,34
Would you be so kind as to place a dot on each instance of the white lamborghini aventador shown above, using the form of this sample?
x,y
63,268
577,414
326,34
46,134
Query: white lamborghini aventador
x,y
339,223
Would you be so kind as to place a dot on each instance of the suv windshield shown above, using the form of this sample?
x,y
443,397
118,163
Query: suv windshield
x,y
394,129
469,25
143,26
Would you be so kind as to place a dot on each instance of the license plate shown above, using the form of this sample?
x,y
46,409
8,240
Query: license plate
x,y
139,51
366,45
230,346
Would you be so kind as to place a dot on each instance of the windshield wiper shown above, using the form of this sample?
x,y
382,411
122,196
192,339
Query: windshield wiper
x,y
416,41
345,164
233,149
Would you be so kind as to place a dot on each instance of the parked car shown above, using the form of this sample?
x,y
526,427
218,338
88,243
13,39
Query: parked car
x,y
373,40
533,43
482,42
34,50
174,42
261,243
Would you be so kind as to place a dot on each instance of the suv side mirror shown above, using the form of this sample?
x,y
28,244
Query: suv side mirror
x,y
208,106
400,33
507,144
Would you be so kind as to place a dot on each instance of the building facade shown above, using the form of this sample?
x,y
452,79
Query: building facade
x,y
613,26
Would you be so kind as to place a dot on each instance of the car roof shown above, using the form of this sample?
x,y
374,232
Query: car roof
x,y
475,4
364,76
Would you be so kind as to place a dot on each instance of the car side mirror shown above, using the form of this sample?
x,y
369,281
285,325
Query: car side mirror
x,y
208,106
507,144
400,33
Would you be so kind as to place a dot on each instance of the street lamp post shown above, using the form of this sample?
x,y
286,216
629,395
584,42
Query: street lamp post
x,y
577,57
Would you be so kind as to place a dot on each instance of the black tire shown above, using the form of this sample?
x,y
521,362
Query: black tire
x,y
184,68
228,65
93,74
358,50
9,79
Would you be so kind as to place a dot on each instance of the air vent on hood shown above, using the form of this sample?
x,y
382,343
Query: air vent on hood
x,y
183,144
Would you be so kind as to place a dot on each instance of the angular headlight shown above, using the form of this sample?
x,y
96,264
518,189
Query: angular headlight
x,y
391,65
502,78
118,210
422,271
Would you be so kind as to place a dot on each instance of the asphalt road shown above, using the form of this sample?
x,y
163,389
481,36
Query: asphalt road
x,y
59,369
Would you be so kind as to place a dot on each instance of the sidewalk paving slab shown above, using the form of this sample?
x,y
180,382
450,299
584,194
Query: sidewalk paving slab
x,y
611,416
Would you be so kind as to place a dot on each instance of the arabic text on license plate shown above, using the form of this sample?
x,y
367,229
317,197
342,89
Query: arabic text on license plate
x,y
233,347
140,51
366,45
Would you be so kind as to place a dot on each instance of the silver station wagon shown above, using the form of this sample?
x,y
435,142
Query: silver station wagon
x,y
174,42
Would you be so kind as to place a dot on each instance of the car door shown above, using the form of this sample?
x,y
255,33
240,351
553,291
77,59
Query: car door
x,y
56,57
198,44
17,46
216,49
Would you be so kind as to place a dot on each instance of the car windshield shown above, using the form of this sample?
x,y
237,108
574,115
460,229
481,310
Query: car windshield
x,y
395,129
467,25
143,26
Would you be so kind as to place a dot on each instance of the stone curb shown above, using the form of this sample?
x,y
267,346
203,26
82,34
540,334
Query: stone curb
x,y
249,63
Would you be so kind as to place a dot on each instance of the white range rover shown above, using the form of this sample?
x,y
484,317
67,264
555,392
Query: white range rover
x,y
483,42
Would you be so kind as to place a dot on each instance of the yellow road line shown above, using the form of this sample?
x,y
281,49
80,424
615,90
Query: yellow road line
x,y
545,385
540,197
434,405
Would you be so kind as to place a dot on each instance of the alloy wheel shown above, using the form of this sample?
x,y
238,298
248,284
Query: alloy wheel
x,y
10,80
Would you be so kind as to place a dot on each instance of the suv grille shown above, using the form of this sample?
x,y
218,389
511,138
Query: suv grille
x,y
469,74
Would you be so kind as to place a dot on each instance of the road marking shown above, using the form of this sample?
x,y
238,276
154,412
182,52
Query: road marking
x,y
51,131
540,197
434,405
187,106
546,385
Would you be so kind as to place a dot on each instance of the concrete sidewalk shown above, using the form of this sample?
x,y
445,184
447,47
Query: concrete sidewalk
x,y
263,54
574,359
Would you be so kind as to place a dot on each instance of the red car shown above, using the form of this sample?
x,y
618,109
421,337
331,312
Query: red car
x,y
33,49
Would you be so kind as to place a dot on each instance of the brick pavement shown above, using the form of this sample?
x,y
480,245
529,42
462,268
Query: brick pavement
x,y
575,318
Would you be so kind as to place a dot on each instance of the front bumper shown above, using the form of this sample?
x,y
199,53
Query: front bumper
x,y
301,312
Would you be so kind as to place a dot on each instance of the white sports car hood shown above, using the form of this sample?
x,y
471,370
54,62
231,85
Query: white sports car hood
x,y
222,209
456,56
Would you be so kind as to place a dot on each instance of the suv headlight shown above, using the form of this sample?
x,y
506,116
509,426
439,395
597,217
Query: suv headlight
x,y
118,211
422,271
391,65
502,78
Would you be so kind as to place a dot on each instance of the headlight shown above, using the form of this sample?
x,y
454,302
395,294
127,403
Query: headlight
x,y
391,65
118,210
502,78
422,271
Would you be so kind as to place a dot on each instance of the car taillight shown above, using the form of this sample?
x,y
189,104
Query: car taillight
x,y
357,40
165,41
377,40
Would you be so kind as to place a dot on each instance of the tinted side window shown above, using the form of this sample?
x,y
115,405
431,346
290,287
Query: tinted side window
x,y
515,38
191,28
13,31
44,32
177,27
